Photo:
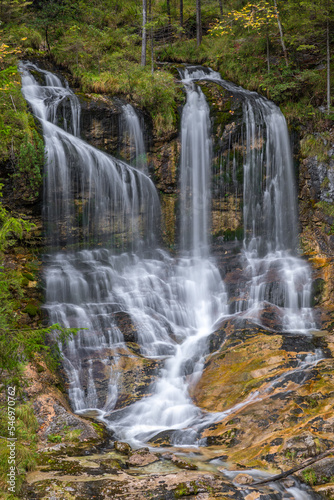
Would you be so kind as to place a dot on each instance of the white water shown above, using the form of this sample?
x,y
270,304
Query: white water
x,y
173,303
133,136
276,275
195,173
115,204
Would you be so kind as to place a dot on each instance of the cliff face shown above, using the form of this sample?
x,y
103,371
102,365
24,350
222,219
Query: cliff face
x,y
316,212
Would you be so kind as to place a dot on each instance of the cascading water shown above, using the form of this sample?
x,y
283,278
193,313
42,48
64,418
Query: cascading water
x,y
133,135
195,173
270,219
114,200
275,274
172,303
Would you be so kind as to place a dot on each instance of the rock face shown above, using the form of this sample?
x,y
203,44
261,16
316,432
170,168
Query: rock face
x,y
317,216
100,122
101,126
109,475
277,406
58,426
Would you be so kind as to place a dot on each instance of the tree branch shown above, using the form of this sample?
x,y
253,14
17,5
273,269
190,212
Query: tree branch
x,y
303,465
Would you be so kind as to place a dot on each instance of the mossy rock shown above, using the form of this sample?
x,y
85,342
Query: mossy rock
x,y
28,276
186,489
31,309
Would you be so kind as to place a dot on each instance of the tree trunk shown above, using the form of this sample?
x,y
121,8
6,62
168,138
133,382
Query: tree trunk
x,y
151,36
168,13
47,38
268,54
198,23
144,40
221,8
281,35
328,69
181,13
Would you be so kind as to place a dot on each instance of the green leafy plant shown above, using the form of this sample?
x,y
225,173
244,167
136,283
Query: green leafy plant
x,y
29,166
309,476
26,426
54,438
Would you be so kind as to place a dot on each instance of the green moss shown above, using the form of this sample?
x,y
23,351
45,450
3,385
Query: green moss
x,y
54,438
31,309
184,489
16,123
28,276
73,435
230,235
326,207
315,145
309,476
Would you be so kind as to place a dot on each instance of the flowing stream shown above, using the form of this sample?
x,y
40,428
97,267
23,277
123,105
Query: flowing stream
x,y
112,211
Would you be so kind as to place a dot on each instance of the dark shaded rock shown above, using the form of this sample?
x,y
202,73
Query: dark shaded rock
x,y
318,287
124,322
100,122
123,448
163,438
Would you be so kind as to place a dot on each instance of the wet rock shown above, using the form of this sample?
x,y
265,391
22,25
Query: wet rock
x,y
122,447
288,483
125,324
228,438
165,159
319,473
243,479
304,446
318,288
139,459
111,464
271,317
100,122
59,424
183,464
163,438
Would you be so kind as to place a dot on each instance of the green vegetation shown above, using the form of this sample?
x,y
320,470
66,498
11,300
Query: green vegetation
x,y
26,426
18,345
27,175
316,145
309,476
54,438
277,48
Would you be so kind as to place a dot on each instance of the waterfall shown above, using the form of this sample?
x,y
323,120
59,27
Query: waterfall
x,y
133,136
275,273
89,196
195,172
173,303
109,211
270,220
